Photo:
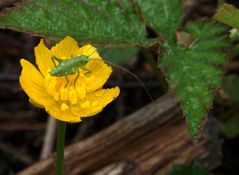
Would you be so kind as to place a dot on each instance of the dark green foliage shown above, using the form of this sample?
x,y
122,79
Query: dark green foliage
x,y
195,71
95,21
118,55
229,15
231,86
230,118
162,15
230,128
183,169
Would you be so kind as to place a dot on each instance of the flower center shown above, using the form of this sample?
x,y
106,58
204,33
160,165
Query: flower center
x,y
66,92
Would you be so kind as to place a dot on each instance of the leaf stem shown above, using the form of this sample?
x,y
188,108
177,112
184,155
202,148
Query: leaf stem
x,y
61,128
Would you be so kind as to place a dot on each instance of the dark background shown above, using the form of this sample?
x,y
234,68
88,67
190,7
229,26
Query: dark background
x,y
22,126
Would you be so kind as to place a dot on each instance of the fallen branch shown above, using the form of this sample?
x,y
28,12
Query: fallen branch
x,y
148,142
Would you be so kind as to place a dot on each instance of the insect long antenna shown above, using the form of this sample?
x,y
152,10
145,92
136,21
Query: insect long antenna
x,y
126,70
92,52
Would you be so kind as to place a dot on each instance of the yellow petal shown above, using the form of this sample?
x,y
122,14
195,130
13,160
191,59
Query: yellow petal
x,y
35,103
85,104
94,102
64,107
43,58
66,48
55,110
90,51
100,72
32,83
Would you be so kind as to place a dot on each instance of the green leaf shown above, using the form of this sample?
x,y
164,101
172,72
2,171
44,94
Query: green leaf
x,y
102,22
118,55
194,71
230,128
230,118
231,86
228,14
183,169
162,15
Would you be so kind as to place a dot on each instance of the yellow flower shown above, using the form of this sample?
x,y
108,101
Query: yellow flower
x,y
67,101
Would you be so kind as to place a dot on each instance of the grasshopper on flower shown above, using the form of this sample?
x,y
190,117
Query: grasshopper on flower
x,y
72,65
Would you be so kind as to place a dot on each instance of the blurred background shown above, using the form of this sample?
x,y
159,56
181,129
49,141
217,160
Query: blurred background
x,y
23,126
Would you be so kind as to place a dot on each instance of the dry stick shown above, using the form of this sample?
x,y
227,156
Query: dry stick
x,y
149,140
15,155
49,138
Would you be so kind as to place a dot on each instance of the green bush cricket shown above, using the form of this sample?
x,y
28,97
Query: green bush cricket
x,y
72,65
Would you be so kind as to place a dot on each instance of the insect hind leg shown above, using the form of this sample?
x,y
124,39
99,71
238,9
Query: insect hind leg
x,y
78,74
67,81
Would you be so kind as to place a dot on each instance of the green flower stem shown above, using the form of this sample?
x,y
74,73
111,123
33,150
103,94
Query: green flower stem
x,y
61,128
